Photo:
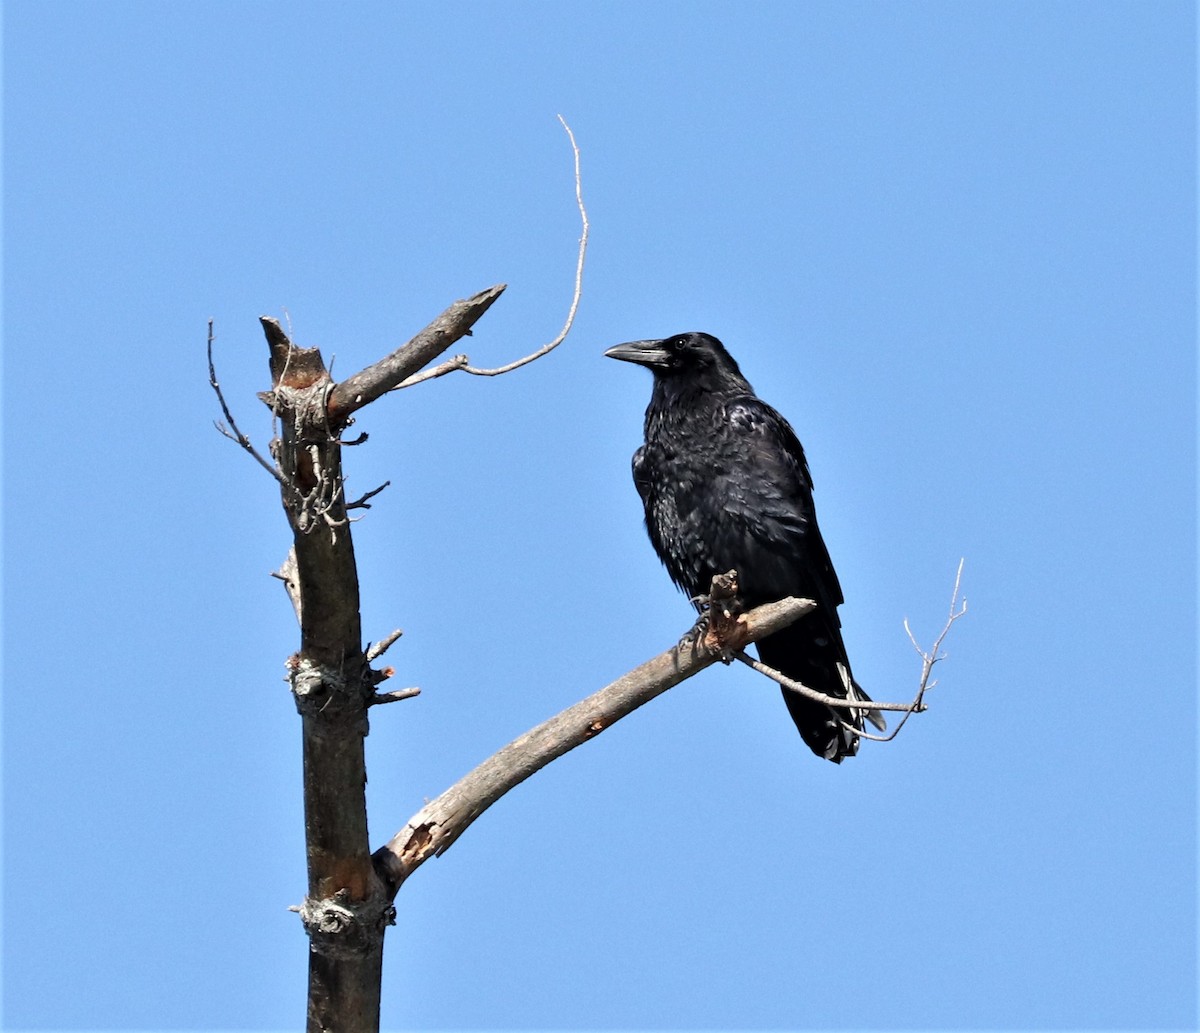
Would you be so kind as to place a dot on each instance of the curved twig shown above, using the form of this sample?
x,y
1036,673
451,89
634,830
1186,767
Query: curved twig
x,y
461,362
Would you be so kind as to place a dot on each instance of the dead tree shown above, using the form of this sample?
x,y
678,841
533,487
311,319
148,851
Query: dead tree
x,y
351,888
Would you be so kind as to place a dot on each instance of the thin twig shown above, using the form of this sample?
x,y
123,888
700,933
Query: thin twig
x,y
440,370
236,435
927,659
917,706
583,242
362,503
830,701
956,611
461,362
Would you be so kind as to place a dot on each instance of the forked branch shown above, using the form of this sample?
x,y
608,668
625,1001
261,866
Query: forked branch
x,y
929,659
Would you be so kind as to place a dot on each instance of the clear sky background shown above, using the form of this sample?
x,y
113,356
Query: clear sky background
x,y
952,242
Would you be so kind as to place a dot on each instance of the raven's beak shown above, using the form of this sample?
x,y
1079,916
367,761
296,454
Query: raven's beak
x,y
644,353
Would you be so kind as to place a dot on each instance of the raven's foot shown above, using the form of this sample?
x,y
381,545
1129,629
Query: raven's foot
x,y
693,639
718,629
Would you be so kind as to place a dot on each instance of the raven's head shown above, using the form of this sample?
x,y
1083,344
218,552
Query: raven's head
x,y
695,357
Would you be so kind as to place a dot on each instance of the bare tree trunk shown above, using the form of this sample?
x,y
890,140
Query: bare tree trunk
x,y
331,683
348,907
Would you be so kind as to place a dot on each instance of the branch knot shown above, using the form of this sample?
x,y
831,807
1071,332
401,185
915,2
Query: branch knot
x,y
325,692
339,927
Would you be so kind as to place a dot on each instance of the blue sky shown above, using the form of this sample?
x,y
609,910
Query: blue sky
x,y
953,242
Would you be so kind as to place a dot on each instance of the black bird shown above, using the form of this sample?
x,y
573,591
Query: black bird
x,y
726,486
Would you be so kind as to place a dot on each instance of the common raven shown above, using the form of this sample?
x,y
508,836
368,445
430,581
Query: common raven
x,y
725,485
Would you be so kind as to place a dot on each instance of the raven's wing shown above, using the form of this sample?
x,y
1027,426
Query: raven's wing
x,y
792,559
773,496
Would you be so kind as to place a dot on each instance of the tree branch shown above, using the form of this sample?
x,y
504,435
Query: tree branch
x,y
439,823
378,379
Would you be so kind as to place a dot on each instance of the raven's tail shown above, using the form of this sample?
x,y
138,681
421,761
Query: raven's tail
x,y
819,662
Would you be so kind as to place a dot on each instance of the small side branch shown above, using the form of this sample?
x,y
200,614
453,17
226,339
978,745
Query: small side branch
x,y
361,502
434,828
233,432
462,362
836,702
394,696
289,574
957,610
928,660
917,706
383,645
